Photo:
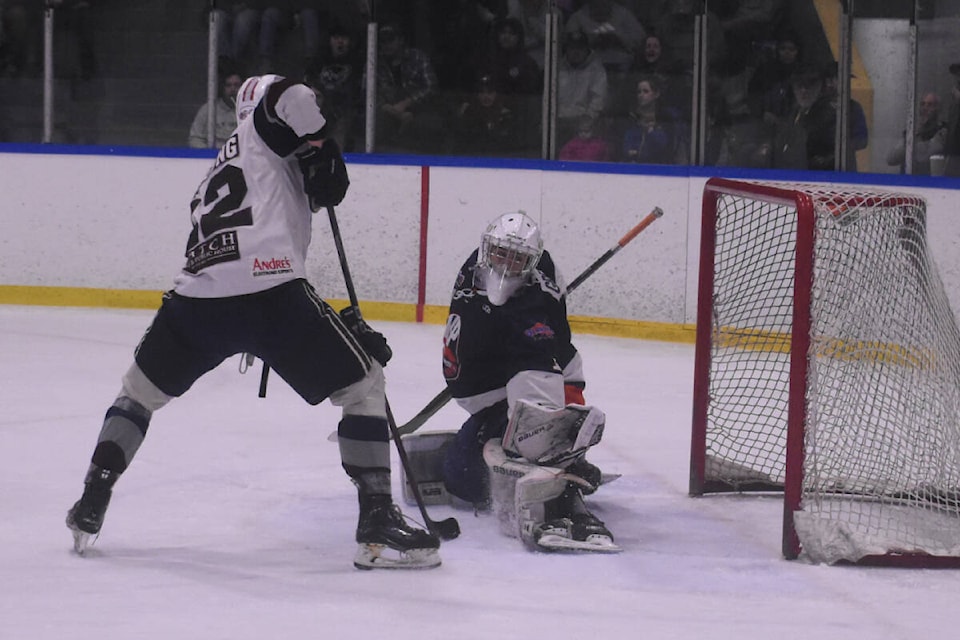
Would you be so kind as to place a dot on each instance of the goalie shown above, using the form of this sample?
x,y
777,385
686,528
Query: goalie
x,y
509,361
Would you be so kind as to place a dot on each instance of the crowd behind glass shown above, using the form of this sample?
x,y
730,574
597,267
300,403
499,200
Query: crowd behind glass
x,y
739,83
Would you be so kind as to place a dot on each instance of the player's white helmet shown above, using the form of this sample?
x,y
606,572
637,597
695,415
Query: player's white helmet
x,y
510,248
250,93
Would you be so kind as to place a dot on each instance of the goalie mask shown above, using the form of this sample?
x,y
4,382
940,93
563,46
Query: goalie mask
x,y
509,251
251,91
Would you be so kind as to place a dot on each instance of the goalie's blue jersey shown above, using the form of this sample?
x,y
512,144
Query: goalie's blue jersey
x,y
485,345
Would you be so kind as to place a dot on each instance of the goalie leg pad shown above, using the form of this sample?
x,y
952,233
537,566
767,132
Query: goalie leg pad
x,y
552,437
519,491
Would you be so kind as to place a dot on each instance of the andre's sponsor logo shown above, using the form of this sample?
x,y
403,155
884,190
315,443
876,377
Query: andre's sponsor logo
x,y
271,267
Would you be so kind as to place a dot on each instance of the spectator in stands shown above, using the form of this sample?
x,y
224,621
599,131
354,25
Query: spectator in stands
x,y
225,108
505,59
744,143
651,58
952,144
588,145
653,134
338,78
857,132
746,25
804,139
532,15
676,28
517,76
484,125
677,83
581,84
928,139
406,93
281,16
769,92
238,23
613,32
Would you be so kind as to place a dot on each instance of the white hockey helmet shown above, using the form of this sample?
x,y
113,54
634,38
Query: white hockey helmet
x,y
250,93
510,248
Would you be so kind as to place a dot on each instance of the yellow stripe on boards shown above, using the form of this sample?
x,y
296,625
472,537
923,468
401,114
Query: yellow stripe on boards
x,y
386,311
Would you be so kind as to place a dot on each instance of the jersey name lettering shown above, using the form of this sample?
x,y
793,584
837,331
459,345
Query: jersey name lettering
x,y
229,150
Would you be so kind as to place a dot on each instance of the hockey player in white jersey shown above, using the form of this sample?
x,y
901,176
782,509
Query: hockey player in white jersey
x,y
243,289
509,361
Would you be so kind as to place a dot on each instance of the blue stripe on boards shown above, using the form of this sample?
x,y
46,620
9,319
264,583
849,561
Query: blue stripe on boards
x,y
772,175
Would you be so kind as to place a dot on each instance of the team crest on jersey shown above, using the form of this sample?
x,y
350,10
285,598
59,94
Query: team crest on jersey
x,y
271,267
539,331
222,247
451,341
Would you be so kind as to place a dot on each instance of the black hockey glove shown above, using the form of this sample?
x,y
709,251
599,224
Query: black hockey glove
x,y
325,178
373,342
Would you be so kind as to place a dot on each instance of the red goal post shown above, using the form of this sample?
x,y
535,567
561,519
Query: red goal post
x,y
828,367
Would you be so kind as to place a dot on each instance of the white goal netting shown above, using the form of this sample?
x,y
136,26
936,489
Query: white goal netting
x,y
876,399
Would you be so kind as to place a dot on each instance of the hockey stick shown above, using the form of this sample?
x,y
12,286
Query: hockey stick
x,y
439,402
264,374
449,528
246,360
444,396
612,251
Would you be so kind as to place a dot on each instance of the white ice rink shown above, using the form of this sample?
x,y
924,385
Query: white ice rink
x,y
236,521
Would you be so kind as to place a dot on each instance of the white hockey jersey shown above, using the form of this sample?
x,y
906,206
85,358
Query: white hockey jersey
x,y
251,218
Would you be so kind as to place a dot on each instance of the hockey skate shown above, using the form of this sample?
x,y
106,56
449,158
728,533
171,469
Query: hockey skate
x,y
572,527
85,518
590,474
386,541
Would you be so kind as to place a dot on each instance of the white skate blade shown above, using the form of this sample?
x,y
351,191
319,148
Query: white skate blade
x,y
593,544
607,478
379,556
81,541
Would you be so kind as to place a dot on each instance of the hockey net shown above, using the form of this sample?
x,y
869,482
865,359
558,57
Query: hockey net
x,y
828,367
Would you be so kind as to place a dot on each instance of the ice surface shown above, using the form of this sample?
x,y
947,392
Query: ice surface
x,y
236,520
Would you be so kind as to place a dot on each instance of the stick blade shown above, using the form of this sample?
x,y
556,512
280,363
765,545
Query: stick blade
x,y
448,529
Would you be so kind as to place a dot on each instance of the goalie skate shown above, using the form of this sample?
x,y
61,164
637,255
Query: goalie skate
x,y
569,535
586,486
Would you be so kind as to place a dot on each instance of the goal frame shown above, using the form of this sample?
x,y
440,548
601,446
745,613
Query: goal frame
x,y
799,352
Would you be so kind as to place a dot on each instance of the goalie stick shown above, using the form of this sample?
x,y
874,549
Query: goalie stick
x,y
446,529
442,398
439,402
